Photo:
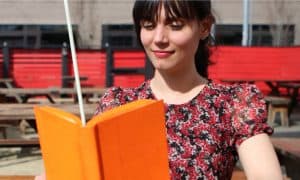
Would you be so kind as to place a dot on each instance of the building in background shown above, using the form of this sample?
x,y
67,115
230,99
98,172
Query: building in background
x,y
41,23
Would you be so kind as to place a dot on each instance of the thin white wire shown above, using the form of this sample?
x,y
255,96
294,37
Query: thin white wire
x,y
75,66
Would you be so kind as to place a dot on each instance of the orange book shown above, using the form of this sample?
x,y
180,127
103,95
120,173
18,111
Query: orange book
x,y
124,143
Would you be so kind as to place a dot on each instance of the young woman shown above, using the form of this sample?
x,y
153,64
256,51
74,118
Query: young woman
x,y
209,125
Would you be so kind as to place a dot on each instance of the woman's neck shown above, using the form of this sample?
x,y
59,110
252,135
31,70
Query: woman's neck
x,y
177,88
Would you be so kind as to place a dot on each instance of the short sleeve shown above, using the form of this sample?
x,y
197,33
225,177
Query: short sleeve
x,y
110,99
249,113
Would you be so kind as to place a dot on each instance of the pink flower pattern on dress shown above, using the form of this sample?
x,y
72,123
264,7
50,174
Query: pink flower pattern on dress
x,y
204,133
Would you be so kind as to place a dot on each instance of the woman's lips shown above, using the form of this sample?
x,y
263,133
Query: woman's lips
x,y
163,54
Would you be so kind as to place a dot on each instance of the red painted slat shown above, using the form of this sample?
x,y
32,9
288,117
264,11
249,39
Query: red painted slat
x,y
129,80
129,54
129,59
42,68
91,64
256,63
36,68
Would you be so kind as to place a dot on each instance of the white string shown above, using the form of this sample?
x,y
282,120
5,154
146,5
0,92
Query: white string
x,y
74,60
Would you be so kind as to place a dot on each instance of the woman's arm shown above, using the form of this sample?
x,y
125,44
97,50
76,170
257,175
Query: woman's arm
x,y
259,159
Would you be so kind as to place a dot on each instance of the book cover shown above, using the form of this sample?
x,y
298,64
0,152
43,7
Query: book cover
x,y
125,143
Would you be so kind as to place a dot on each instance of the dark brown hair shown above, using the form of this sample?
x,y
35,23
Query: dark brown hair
x,y
186,9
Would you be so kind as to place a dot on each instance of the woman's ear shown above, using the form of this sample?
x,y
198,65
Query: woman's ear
x,y
205,27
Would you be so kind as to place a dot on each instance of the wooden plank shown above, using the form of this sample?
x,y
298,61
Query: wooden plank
x,y
6,80
49,91
288,152
276,100
19,143
287,146
2,177
26,91
99,91
25,111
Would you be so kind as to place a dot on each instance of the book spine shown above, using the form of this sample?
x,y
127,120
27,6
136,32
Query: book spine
x,y
90,154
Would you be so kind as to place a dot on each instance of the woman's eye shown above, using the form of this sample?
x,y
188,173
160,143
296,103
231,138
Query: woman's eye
x,y
177,25
147,25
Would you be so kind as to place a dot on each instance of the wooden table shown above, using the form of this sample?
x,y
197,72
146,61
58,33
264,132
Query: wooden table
x,y
288,151
294,88
8,83
273,84
288,146
91,91
25,111
27,93
16,112
28,177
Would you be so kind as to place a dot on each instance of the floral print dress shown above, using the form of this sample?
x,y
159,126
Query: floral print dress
x,y
204,133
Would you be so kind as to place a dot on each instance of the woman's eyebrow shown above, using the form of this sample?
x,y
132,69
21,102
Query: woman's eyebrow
x,y
172,19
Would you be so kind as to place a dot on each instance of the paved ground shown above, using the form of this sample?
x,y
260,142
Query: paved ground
x,y
30,163
20,161
17,161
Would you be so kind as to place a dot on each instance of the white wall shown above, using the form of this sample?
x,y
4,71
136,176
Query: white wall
x,y
90,14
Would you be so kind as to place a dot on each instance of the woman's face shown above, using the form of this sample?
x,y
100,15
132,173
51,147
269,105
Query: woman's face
x,y
171,44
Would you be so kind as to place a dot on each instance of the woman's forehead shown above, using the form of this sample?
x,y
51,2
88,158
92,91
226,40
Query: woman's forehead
x,y
166,10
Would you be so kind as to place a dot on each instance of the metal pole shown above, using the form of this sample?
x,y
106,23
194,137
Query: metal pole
x,y
245,22
64,64
6,60
250,37
109,65
75,66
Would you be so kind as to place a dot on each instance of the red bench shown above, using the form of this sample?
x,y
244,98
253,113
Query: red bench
x,y
259,64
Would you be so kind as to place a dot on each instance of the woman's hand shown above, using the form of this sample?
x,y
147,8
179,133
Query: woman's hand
x,y
40,177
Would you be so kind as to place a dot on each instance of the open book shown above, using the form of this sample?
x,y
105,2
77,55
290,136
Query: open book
x,y
124,143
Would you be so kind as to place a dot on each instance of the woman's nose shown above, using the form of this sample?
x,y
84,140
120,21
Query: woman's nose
x,y
160,35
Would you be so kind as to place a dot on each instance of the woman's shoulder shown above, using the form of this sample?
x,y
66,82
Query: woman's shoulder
x,y
236,90
228,87
237,96
119,92
248,109
116,96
